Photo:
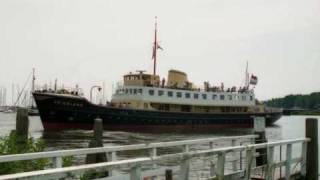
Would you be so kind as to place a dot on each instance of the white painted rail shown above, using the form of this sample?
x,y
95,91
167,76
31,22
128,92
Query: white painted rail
x,y
110,149
185,158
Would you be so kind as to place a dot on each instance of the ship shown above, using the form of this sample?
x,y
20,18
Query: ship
x,y
145,101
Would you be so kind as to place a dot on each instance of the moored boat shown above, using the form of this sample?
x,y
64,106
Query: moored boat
x,y
153,107
146,101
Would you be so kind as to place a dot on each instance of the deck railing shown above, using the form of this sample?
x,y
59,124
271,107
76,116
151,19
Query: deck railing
x,y
113,151
217,169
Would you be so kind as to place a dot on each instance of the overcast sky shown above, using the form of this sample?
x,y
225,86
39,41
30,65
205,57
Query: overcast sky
x,y
88,42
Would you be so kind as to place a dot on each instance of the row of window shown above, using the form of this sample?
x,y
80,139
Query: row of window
x,y
186,95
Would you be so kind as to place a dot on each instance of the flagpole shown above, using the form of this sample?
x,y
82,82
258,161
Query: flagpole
x,y
155,48
246,76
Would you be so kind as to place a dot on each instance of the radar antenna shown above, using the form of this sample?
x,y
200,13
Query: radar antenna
x,y
140,71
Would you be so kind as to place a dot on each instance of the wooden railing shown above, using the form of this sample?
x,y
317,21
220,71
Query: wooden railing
x,y
113,151
217,170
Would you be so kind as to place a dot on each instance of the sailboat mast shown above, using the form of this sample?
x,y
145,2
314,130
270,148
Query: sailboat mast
x,y
1,96
32,85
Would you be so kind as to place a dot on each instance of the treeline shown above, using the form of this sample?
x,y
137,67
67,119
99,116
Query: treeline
x,y
308,101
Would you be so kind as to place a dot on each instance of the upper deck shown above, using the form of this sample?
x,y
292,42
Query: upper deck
x,y
183,97
140,88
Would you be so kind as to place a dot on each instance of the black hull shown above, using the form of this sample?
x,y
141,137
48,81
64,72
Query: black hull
x,y
67,112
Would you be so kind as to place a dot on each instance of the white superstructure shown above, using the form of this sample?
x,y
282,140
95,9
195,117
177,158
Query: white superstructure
x,y
183,97
146,91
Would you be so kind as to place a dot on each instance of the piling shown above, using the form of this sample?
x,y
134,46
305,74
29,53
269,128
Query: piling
x,y
22,128
168,174
259,129
97,142
312,164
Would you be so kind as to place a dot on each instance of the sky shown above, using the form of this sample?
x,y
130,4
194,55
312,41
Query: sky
x,y
88,42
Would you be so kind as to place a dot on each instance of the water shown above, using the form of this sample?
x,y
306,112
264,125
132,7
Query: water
x,y
288,127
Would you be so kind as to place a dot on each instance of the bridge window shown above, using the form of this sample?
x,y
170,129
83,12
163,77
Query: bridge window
x,y
251,98
170,93
151,92
126,90
221,97
179,94
244,98
135,91
139,91
204,96
160,92
230,97
214,96
196,96
187,95
130,91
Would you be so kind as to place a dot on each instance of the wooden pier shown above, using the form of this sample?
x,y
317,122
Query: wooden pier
x,y
235,159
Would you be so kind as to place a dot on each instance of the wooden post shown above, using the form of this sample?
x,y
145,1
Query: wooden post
x,y
312,166
22,128
168,174
97,142
259,129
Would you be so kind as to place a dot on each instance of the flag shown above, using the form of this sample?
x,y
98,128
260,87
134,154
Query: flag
x,y
156,46
253,80
159,47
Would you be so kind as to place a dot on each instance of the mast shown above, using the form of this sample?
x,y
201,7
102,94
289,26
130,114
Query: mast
x,y
12,94
5,96
247,77
155,47
32,85
55,84
1,96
